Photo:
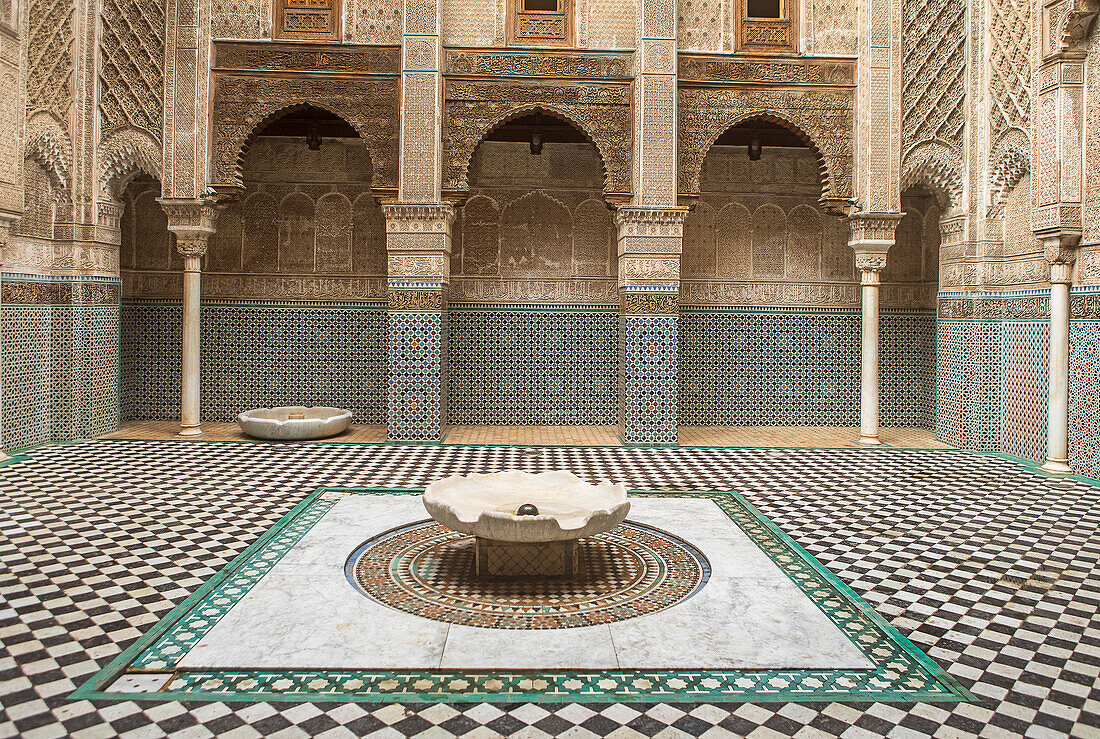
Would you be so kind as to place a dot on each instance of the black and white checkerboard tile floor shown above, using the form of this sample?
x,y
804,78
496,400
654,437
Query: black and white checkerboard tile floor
x,y
992,569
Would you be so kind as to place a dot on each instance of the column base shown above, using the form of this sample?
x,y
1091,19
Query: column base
x,y
1056,467
190,431
870,440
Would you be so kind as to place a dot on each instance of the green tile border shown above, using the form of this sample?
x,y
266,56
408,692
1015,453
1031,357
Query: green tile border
x,y
901,673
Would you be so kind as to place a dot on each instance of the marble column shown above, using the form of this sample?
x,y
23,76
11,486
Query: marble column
x,y
872,235
418,246
193,222
1060,252
650,241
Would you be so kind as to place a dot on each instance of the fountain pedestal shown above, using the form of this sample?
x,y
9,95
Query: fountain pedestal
x,y
526,525
520,560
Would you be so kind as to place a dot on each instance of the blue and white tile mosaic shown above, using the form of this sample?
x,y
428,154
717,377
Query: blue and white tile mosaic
x,y
992,369
1025,346
417,374
256,355
528,366
648,386
59,340
801,368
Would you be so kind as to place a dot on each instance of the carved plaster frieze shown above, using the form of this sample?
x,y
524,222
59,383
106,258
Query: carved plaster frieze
x,y
40,256
420,266
730,293
563,290
601,111
306,58
994,274
767,71
649,268
822,118
538,64
243,104
223,286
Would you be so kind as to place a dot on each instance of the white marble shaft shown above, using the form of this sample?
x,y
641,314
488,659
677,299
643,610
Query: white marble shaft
x,y
486,505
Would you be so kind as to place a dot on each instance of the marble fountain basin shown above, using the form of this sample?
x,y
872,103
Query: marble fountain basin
x,y
487,505
294,422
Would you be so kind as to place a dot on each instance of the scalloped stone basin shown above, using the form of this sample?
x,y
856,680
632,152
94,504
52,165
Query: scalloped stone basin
x,y
294,422
486,505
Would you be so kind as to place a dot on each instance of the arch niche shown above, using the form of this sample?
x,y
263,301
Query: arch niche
x,y
293,280
765,271
532,306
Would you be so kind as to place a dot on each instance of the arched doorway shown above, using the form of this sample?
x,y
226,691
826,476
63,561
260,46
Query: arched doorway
x,y
769,321
533,312
294,281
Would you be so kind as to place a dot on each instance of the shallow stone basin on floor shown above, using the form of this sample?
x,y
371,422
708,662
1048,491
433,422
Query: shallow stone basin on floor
x,y
294,422
487,506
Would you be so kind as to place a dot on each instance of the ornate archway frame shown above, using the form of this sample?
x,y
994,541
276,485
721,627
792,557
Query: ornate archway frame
x,y
601,112
244,104
823,119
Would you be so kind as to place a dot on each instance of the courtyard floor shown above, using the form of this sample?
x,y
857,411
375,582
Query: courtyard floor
x,y
814,437
991,569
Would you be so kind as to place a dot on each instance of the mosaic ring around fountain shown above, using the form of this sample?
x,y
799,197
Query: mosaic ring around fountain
x,y
425,569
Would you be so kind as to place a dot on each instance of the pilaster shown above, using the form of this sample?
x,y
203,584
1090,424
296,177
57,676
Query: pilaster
x,y
649,245
418,247
418,241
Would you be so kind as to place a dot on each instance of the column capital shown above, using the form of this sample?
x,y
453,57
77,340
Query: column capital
x,y
1060,249
635,220
873,229
418,217
193,221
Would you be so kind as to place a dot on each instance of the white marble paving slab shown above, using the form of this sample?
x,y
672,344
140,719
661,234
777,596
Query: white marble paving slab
x,y
473,648
304,612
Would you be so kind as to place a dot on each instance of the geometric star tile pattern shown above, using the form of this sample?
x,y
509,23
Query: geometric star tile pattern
x,y
990,568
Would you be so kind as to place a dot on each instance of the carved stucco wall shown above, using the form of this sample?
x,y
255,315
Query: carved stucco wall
x,y
12,111
598,24
50,57
829,27
132,66
705,25
535,227
364,21
305,228
757,237
933,72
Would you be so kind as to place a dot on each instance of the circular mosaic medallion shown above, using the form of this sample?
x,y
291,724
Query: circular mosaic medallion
x,y
428,570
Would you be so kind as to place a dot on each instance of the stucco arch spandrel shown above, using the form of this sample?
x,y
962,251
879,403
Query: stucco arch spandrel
x,y
822,119
600,112
244,105
934,165
124,152
49,145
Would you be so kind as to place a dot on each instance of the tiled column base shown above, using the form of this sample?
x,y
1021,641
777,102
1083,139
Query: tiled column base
x,y
417,343
648,379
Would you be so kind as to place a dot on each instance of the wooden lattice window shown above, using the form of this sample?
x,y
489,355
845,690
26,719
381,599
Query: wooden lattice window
x,y
540,22
766,25
307,20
